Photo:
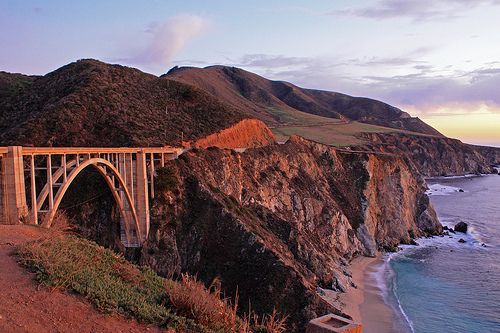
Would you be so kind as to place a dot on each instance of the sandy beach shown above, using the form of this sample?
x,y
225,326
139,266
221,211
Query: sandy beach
x,y
365,304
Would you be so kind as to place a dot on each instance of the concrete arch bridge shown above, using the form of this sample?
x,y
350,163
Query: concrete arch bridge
x,y
129,173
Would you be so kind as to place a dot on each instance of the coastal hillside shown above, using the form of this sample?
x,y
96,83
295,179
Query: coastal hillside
x,y
90,103
434,156
339,120
274,223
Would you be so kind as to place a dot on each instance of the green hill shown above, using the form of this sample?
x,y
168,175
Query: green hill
x,y
90,103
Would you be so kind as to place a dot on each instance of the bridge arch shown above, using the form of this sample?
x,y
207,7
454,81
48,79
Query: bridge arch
x,y
114,181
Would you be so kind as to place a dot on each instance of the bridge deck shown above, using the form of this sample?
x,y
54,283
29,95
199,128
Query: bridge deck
x,y
92,150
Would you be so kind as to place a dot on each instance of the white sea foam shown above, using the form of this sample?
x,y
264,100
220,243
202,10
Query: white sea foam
x,y
454,177
384,280
438,189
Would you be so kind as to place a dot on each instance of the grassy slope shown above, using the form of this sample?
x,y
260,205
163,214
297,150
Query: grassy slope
x,y
325,130
114,285
280,103
341,134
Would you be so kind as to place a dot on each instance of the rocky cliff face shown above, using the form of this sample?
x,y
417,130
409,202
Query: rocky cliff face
x,y
276,222
433,156
246,133
492,154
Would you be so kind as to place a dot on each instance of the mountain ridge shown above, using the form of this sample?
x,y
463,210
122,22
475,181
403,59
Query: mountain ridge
x,y
89,103
259,95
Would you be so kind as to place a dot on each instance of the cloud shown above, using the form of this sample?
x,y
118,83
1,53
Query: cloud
x,y
168,38
270,61
428,91
417,10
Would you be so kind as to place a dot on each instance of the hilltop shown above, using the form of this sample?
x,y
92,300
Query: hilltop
x,y
90,103
336,119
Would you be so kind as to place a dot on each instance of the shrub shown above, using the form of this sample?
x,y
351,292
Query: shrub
x,y
191,299
166,179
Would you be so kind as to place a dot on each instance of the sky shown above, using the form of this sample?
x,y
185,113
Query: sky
x,y
435,59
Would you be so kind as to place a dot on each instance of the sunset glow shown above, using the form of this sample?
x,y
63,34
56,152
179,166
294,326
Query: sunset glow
x,y
418,55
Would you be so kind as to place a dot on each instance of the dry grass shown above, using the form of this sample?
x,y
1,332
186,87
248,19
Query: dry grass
x,y
207,306
337,135
64,261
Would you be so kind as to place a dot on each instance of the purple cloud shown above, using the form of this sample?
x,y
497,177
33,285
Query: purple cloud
x,y
417,10
425,91
167,39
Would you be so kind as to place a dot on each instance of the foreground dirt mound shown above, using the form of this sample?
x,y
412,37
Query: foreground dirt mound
x,y
28,307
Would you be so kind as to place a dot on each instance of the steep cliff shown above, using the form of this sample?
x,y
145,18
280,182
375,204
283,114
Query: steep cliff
x,y
492,154
276,222
433,156
246,133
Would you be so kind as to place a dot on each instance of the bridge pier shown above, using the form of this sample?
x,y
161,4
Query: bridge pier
x,y
142,203
13,191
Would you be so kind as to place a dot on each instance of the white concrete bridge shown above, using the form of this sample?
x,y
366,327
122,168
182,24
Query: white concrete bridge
x,y
129,173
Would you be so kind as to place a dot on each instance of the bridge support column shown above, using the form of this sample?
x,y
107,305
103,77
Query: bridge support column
x,y
142,203
14,192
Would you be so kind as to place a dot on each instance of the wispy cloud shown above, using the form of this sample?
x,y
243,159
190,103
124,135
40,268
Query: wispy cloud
x,y
417,10
166,39
429,90
270,61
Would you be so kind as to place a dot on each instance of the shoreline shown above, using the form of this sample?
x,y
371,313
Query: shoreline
x,y
365,303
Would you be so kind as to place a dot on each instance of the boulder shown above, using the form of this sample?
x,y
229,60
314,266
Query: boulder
x,y
461,240
461,227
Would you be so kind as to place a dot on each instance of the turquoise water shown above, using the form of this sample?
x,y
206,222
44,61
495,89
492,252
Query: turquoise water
x,y
443,285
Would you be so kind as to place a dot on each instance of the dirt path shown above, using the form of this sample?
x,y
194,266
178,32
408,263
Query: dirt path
x,y
27,307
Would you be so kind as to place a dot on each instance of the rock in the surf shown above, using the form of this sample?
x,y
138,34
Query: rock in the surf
x,y
461,227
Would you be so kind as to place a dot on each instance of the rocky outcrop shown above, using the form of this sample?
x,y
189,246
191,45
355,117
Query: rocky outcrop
x,y
246,133
432,155
274,223
492,154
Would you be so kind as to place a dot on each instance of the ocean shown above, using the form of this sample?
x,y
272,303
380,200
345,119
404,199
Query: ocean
x,y
444,285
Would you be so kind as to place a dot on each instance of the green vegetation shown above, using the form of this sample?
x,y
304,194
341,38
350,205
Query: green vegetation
x,y
166,179
89,103
10,84
341,134
114,285
292,116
